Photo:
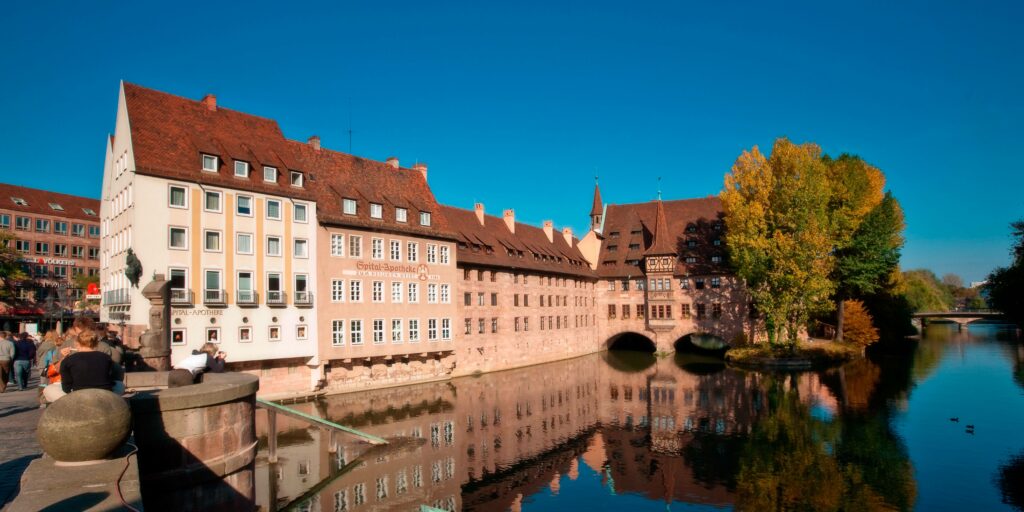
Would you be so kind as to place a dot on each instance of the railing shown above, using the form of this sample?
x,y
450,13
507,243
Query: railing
x,y
303,298
181,297
276,298
215,297
116,297
246,297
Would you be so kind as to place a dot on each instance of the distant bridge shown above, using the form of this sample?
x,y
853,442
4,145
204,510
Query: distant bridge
x,y
960,317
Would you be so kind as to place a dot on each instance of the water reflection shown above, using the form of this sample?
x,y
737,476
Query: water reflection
x,y
589,432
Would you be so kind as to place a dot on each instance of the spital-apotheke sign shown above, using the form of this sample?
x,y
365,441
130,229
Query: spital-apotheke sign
x,y
49,261
395,271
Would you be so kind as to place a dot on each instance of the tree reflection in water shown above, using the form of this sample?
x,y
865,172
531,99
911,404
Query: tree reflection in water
x,y
1011,481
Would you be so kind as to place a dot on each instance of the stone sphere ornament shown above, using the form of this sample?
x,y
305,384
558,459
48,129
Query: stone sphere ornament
x,y
84,425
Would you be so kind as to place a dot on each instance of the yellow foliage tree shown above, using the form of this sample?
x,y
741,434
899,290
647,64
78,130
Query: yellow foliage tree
x,y
858,326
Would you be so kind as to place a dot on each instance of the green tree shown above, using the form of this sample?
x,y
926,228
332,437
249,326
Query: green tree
x,y
924,292
1006,284
11,268
872,254
778,233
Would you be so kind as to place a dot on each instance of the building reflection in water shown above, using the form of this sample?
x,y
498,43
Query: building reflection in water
x,y
669,429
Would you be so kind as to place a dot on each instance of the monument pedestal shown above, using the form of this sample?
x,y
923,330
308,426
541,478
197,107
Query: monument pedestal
x,y
51,485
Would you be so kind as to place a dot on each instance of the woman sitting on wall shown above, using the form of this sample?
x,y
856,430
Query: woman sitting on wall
x,y
86,368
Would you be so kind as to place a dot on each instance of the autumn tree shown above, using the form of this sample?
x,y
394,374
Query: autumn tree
x,y
779,233
1006,284
11,268
857,324
924,292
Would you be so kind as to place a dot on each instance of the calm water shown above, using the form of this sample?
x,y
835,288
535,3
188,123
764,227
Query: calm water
x,y
622,431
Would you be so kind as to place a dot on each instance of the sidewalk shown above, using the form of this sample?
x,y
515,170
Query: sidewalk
x,y
19,414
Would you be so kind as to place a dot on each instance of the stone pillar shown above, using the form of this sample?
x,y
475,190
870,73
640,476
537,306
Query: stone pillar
x,y
155,343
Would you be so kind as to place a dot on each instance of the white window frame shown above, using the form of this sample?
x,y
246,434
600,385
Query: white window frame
x,y
446,329
355,242
399,323
216,163
252,280
431,293
338,290
445,256
238,243
446,295
377,292
413,291
425,219
395,247
296,243
414,330
355,331
432,330
401,214
355,290
170,203
252,205
279,215
170,237
302,332
396,292
432,253
377,327
337,333
349,206
245,169
184,337
279,251
377,248
215,330
305,212
376,211
220,240
412,252
270,333
267,168
245,328
338,245
291,179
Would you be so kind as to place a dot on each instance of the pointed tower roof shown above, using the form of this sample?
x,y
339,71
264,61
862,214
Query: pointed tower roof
x,y
597,208
662,244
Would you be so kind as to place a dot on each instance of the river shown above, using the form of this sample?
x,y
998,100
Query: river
x,y
931,425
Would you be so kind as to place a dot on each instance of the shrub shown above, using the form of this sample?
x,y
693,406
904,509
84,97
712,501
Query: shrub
x,y
857,324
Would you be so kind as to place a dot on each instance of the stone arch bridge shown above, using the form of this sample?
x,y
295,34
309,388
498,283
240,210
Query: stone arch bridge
x,y
961,318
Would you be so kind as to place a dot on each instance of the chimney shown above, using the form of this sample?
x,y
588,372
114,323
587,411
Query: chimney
x,y
314,141
478,208
510,220
211,102
392,161
567,234
549,230
422,168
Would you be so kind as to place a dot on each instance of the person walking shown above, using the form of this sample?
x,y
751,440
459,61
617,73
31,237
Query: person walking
x,y
24,356
6,359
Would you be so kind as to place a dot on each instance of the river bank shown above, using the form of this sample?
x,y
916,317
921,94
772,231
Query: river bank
x,y
805,355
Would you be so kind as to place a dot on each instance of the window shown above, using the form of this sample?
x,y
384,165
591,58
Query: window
x,y
698,284
355,291
337,245
177,336
378,331
355,246
396,250
413,290
716,282
177,238
273,246
211,201
639,311
211,240
691,259
396,330
445,253
401,215
684,284
244,292
299,211
94,254
414,330
716,310
469,326
337,290
90,212
494,325
348,206
396,292
212,287
467,299
176,198
273,209
684,309
77,251
424,218
701,311
301,332
60,250
355,331
243,243
445,294
241,169
23,224
446,329
5,221
431,253
302,289
611,311
480,325
376,211
412,252
245,334
337,332
717,242
526,323
480,299
431,293
274,293
244,206
716,259
494,299
274,333
296,179
377,291
19,201
209,163
42,226
377,248
270,174
301,248
625,311
60,227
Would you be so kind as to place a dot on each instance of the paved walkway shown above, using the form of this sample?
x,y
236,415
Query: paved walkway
x,y
19,413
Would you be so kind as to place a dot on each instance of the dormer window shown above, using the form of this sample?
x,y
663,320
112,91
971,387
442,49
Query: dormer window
x,y
613,234
376,211
19,201
241,169
296,179
89,211
56,207
348,206
209,163
718,241
635,232
424,218
401,215
691,243
613,248
270,174
691,229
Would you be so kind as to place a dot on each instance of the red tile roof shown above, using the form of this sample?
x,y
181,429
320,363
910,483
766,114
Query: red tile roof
x,y
39,203
662,245
493,244
171,133
685,219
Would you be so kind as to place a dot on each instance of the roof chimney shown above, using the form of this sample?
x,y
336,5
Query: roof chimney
x,y
422,168
392,161
567,234
549,230
479,209
314,141
510,220
211,102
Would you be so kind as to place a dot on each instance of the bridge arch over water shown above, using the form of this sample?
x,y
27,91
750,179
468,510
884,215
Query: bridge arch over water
x,y
629,340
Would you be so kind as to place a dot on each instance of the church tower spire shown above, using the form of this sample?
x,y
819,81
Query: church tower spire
x,y
597,210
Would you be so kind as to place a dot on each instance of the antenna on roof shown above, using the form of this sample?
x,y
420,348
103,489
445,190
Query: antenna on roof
x,y
659,188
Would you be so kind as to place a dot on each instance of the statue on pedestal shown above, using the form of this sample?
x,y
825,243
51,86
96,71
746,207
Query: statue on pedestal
x,y
155,343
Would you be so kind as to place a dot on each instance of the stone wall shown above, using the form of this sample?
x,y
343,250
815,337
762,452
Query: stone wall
x,y
375,372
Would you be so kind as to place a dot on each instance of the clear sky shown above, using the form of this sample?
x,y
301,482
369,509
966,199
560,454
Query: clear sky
x,y
520,105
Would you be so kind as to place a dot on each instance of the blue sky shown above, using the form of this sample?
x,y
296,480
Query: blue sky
x,y
520,104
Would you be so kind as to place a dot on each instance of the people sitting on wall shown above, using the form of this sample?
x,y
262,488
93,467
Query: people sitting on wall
x,y
85,368
206,359
48,353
